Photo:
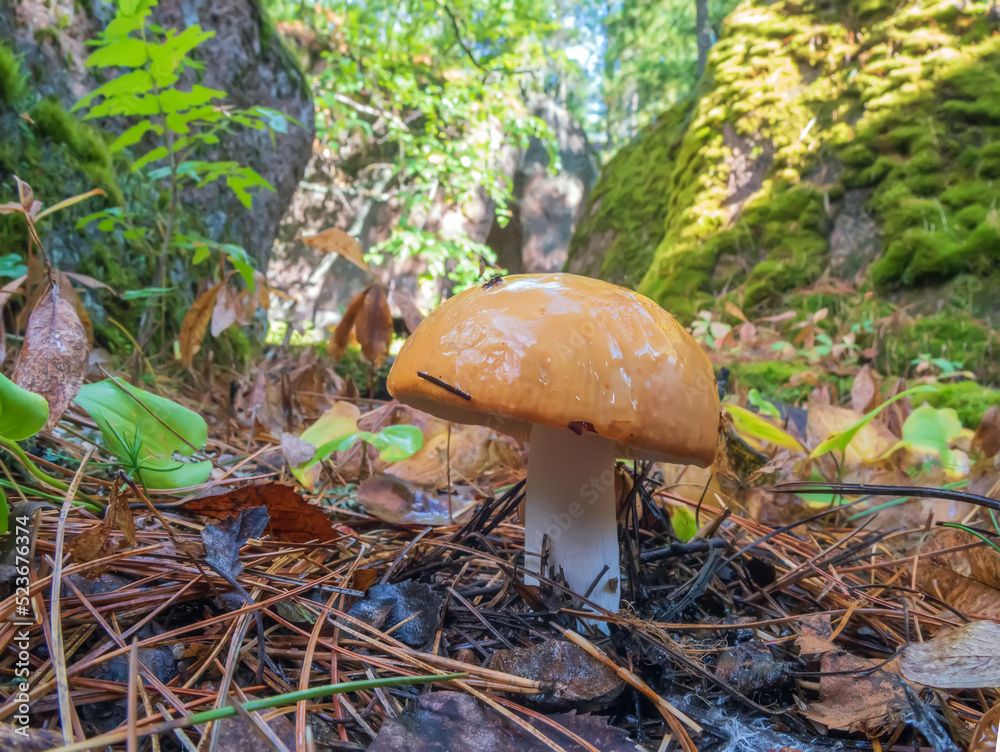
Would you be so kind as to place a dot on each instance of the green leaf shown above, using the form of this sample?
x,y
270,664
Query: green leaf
x,y
396,443
131,84
174,100
763,406
134,134
751,424
12,266
4,513
153,155
124,53
929,431
246,178
144,430
683,521
839,441
22,413
240,260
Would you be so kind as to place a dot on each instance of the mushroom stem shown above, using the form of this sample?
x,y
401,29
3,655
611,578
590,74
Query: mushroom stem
x,y
570,498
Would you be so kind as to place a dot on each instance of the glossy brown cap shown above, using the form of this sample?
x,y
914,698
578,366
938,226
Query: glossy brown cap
x,y
569,352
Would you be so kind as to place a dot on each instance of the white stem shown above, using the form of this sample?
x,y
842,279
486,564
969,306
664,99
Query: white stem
x,y
570,498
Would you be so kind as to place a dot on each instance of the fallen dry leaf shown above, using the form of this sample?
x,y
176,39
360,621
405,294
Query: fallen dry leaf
x,y
228,310
196,322
572,678
475,451
223,541
869,702
18,738
415,603
987,438
295,450
965,658
373,327
97,541
71,296
334,240
342,334
865,393
814,635
871,442
292,517
53,361
394,500
408,309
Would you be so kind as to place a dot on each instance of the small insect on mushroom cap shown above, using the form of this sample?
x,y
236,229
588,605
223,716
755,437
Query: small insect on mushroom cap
x,y
568,352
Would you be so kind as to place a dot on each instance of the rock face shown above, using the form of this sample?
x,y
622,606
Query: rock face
x,y
245,58
859,138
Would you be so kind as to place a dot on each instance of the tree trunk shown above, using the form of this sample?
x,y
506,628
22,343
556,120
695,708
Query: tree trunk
x,y
704,33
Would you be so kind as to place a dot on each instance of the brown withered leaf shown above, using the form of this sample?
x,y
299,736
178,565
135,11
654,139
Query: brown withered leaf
x,y
263,292
334,240
86,281
965,658
987,438
394,500
573,679
71,296
292,517
196,322
11,288
342,334
869,702
97,541
53,361
865,394
228,310
373,327
18,738
295,450
408,309
814,635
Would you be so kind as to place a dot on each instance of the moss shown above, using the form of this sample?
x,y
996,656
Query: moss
x,y
955,336
88,146
805,110
969,399
269,37
772,379
234,347
625,210
13,84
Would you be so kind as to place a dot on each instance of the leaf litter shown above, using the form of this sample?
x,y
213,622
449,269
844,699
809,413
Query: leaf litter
x,y
776,624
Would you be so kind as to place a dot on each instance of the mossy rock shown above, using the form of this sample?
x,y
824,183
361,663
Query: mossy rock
x,y
797,115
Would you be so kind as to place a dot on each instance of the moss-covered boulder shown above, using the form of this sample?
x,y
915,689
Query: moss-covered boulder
x,y
42,51
859,138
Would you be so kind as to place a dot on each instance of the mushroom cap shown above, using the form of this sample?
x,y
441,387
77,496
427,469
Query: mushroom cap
x,y
568,352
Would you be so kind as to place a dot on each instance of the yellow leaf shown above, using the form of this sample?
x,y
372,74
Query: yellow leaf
x,y
749,423
334,240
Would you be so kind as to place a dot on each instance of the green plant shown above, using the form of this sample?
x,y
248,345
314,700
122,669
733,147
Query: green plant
x,y
144,431
712,334
429,100
22,415
838,441
174,127
924,362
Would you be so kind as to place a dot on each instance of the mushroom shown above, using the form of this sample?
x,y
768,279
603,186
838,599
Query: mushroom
x,y
587,372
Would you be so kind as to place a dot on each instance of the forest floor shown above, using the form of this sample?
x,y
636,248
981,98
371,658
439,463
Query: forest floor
x,y
754,619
